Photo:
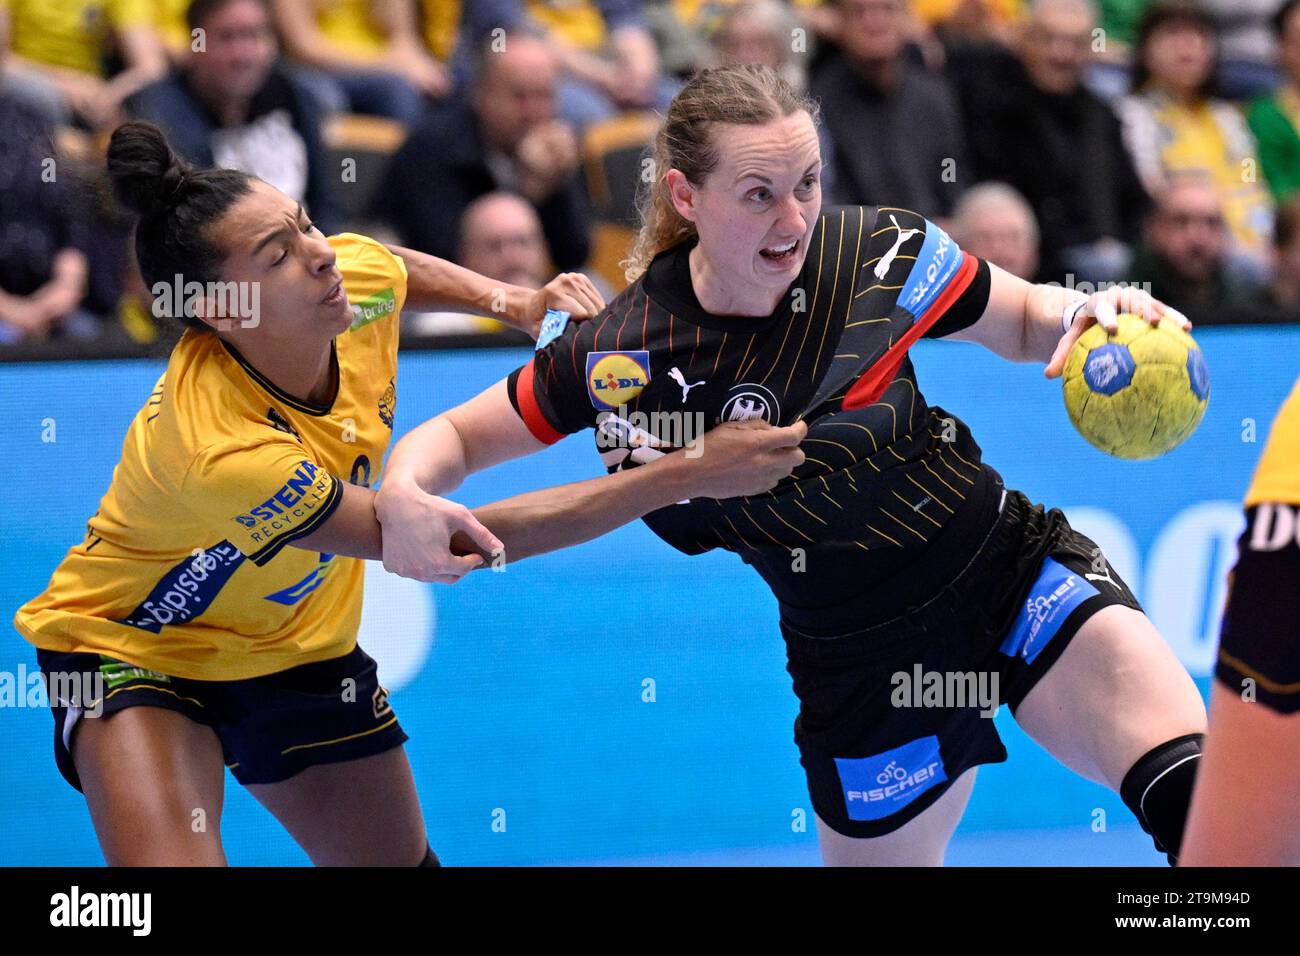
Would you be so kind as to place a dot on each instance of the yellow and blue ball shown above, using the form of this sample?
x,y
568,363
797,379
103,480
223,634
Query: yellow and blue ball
x,y
1138,393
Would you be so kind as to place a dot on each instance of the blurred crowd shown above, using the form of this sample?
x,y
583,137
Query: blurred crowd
x,y
1076,141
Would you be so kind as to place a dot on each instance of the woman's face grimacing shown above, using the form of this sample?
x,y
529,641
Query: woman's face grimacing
x,y
756,210
275,252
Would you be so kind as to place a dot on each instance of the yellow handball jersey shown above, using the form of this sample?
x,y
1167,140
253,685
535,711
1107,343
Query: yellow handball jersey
x,y
1277,476
184,568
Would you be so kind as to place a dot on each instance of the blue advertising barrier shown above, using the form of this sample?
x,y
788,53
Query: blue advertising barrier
x,y
619,701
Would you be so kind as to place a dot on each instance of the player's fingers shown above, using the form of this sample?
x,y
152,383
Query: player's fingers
x,y
788,435
1175,316
458,567
483,539
574,287
1146,307
1103,309
1057,364
589,291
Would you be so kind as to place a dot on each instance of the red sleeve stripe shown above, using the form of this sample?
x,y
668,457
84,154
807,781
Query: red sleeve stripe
x,y
876,379
530,411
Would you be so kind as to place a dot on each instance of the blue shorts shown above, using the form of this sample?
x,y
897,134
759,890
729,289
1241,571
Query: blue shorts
x,y
270,727
892,714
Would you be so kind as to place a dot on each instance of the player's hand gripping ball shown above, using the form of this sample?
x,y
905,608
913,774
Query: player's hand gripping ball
x,y
1139,392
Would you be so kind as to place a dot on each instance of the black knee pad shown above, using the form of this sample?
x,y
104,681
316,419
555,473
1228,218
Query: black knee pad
x,y
430,858
1158,789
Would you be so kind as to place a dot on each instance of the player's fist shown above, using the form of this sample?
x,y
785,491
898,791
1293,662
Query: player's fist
x,y
743,458
418,531
570,292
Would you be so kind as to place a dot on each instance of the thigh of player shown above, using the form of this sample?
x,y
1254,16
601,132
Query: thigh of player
x,y
320,747
1115,692
922,841
1248,788
154,782
362,812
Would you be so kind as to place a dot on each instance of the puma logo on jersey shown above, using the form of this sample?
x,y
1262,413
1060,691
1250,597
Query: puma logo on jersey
x,y
887,260
1104,577
676,375
279,421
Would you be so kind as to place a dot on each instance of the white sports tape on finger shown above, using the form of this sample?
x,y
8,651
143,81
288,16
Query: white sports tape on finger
x,y
1071,312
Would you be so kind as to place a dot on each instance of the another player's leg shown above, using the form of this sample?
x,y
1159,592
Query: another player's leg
x,y
1247,794
361,812
922,841
1118,708
320,747
154,782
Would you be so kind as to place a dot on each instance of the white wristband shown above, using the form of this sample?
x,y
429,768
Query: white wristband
x,y
1071,312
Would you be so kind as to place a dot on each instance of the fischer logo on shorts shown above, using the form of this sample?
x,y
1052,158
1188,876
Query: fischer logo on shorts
x,y
876,787
1056,593
615,378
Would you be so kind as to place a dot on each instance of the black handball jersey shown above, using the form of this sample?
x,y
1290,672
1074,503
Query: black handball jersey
x,y
892,496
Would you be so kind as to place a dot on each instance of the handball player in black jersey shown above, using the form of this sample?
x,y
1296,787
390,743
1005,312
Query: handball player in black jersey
x,y
893,545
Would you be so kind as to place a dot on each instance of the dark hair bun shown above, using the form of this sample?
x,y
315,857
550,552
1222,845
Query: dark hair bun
x,y
146,174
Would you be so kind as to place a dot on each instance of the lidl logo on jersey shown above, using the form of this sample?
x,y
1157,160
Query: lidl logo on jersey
x,y
1056,593
615,378
373,307
296,592
307,482
935,265
882,784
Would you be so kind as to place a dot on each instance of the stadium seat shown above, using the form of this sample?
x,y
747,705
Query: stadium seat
x,y
612,162
369,141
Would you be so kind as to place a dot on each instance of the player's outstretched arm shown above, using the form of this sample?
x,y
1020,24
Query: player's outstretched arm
x,y
1025,322
736,458
436,457
436,285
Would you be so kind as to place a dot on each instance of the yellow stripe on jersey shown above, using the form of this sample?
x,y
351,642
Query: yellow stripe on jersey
x,y
185,569
1277,476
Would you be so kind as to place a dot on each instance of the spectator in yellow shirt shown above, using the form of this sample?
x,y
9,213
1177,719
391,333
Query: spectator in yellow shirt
x,y
60,51
1173,124
607,54
362,56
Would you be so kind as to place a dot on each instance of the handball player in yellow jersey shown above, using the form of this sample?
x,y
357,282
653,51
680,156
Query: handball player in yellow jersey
x,y
209,617
1247,797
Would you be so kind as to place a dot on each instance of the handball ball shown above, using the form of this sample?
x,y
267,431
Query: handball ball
x,y
1138,393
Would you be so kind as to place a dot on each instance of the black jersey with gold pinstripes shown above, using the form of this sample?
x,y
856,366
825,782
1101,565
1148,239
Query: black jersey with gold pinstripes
x,y
890,484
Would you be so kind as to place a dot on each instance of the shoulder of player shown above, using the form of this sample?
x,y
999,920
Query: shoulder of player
x,y
210,398
1277,476
363,257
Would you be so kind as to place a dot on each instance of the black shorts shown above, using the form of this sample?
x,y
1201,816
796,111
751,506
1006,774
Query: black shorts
x,y
1259,645
270,727
891,714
